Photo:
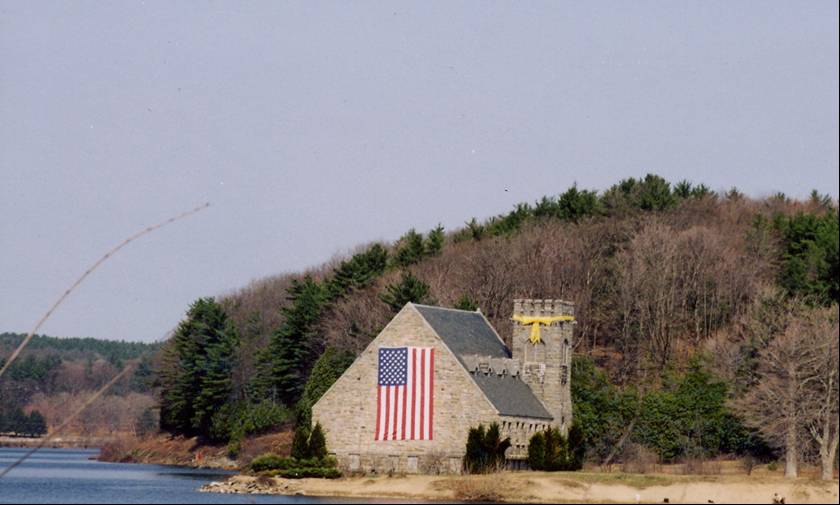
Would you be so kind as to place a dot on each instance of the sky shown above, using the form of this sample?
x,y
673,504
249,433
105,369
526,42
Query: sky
x,y
313,127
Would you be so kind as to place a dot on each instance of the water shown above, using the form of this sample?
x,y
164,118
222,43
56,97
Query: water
x,y
71,476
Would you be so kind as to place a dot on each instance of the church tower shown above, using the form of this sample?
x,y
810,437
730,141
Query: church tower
x,y
542,344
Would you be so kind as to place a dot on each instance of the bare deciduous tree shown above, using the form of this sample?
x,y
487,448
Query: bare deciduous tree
x,y
796,386
820,401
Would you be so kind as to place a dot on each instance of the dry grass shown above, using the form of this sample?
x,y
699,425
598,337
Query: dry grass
x,y
636,480
485,488
119,449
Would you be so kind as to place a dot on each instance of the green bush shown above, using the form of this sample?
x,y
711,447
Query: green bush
x,y
267,462
689,416
601,410
686,416
536,451
327,369
317,443
234,422
551,451
300,443
485,450
293,468
310,472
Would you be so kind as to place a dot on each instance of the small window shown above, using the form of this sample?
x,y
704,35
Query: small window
x,y
354,462
411,464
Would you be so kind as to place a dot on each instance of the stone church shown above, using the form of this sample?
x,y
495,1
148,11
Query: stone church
x,y
408,401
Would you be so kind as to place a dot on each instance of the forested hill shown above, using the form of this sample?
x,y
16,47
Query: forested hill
x,y
113,351
54,376
679,292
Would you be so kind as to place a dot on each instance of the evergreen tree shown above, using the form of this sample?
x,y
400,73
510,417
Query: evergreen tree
x,y
216,367
327,369
408,289
145,423
476,230
474,457
410,249
810,265
683,189
485,451
300,443
36,425
285,363
466,303
317,442
358,272
434,241
575,204
196,378
536,452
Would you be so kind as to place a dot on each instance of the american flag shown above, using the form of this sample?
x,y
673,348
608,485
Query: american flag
x,y
405,399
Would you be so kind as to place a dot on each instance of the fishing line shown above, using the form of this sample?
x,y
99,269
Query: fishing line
x,y
128,367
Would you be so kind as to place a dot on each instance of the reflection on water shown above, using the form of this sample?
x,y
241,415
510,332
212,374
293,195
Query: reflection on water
x,y
72,476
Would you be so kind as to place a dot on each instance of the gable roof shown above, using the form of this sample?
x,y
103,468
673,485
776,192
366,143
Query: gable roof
x,y
469,333
464,332
510,395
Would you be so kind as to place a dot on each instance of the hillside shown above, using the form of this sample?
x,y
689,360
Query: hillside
x,y
680,295
54,376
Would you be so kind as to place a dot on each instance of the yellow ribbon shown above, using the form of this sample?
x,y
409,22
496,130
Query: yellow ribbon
x,y
535,323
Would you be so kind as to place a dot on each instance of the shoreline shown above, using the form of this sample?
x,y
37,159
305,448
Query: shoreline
x,y
543,487
57,443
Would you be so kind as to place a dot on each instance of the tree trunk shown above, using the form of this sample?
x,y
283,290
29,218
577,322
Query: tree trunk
x,y
790,450
828,450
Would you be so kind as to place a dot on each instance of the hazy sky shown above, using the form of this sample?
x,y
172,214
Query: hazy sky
x,y
316,126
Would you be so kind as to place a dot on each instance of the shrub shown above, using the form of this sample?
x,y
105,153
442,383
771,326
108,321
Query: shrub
x,y
293,468
536,451
485,450
233,423
310,472
483,489
637,458
551,451
327,369
300,443
267,462
317,443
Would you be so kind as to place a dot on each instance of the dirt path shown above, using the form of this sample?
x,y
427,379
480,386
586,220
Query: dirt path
x,y
536,487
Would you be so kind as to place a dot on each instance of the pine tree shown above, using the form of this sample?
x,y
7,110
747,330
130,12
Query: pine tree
x,y
358,271
285,363
434,241
145,424
466,303
217,372
300,443
198,364
36,424
317,442
536,452
410,249
327,369
409,289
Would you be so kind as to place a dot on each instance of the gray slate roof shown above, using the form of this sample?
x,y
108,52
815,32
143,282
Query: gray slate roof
x,y
510,395
467,333
464,332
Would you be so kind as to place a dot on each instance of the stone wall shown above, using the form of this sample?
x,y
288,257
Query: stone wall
x,y
520,430
347,411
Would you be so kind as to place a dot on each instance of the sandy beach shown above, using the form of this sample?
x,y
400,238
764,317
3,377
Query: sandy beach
x,y
539,487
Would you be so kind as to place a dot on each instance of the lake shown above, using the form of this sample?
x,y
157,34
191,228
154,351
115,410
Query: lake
x,y
72,476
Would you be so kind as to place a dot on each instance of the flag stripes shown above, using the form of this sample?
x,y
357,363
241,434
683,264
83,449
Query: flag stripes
x,y
404,405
